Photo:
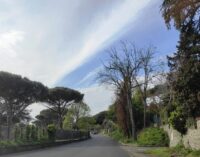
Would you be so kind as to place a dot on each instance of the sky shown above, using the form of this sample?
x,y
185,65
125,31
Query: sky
x,y
64,42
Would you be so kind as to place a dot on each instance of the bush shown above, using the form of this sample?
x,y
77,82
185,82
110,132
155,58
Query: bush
x,y
28,131
17,133
153,137
33,133
5,144
117,135
51,129
178,151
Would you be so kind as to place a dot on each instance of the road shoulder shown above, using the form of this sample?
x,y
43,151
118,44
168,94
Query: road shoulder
x,y
135,151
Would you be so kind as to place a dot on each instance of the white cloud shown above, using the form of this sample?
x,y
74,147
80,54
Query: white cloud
x,y
98,97
35,109
107,29
47,40
9,41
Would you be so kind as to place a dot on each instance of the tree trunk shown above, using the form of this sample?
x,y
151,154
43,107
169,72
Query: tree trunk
x,y
60,122
145,105
132,119
9,125
9,120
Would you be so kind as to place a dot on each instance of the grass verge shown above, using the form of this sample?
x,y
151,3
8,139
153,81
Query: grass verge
x,y
178,151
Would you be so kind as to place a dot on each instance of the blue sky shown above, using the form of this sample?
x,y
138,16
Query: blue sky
x,y
63,43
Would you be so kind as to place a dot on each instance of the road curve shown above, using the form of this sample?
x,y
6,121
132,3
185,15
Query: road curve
x,y
98,146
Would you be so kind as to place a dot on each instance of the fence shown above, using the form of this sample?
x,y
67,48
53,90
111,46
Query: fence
x,y
60,134
71,134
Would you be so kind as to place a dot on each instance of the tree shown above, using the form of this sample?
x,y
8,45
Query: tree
x,y
150,70
46,117
111,113
86,123
16,94
139,109
185,63
122,114
59,98
75,112
120,71
181,12
100,117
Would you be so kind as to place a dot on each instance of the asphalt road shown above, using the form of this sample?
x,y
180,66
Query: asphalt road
x,y
98,146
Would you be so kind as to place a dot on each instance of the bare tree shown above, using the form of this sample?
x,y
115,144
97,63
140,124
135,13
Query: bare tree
x,y
149,70
121,71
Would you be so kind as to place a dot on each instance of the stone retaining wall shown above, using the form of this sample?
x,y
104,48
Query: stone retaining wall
x,y
190,140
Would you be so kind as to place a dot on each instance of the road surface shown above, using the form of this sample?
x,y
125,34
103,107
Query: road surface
x,y
98,146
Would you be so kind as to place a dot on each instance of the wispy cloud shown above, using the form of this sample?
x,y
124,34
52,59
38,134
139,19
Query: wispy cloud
x,y
49,39
90,77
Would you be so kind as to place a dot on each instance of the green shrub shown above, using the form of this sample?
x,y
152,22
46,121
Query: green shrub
x,y
33,133
178,151
51,129
17,133
5,144
153,137
117,135
28,131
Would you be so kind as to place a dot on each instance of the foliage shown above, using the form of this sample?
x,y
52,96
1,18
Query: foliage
x,y
100,117
180,12
5,144
117,135
115,132
138,106
16,94
58,100
164,115
51,129
46,117
86,123
152,111
17,133
120,71
111,113
28,132
33,133
153,137
185,63
175,151
191,123
68,122
157,90
125,65
75,112
177,120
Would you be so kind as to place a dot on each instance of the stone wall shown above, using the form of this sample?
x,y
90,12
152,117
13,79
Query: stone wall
x,y
190,140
